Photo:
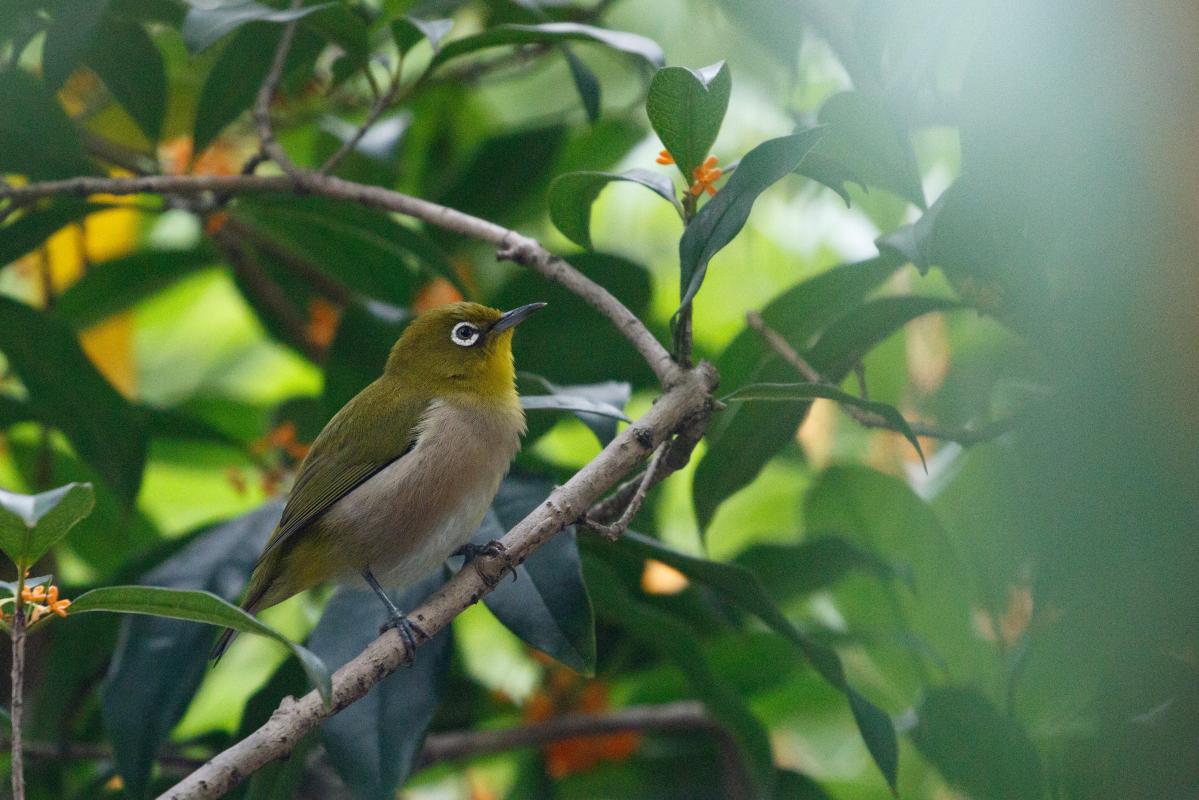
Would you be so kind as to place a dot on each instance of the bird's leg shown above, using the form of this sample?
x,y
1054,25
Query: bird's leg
x,y
471,552
396,619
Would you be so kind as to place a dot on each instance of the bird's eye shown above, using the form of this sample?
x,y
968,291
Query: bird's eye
x,y
464,334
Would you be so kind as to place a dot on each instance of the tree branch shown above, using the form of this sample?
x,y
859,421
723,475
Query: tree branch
x,y
510,244
963,436
690,395
262,103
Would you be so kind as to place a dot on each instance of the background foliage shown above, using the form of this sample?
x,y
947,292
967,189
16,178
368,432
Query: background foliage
x,y
991,218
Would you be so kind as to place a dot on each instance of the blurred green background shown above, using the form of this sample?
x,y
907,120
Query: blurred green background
x,y
1019,215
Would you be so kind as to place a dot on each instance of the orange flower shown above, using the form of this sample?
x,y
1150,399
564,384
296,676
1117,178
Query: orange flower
x,y
705,175
664,157
567,693
323,317
43,600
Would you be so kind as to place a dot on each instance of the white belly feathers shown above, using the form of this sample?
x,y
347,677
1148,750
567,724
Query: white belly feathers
x,y
408,518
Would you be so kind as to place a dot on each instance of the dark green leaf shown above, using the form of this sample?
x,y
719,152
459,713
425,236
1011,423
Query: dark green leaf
x,y
373,743
722,217
129,63
34,227
598,405
140,701
365,334
69,38
197,606
31,524
740,586
587,85
778,24
106,431
792,571
571,196
864,138
686,108
14,411
502,35
784,392
36,137
410,30
664,633
340,25
209,20
232,83
111,287
795,786
569,402
977,749
547,605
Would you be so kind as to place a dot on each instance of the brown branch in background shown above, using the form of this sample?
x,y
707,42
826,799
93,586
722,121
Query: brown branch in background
x,y
963,436
16,711
510,244
262,104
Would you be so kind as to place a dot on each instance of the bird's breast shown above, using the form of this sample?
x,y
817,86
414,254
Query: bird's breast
x,y
410,516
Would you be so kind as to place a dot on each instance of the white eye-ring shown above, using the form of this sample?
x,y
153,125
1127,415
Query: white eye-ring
x,y
464,334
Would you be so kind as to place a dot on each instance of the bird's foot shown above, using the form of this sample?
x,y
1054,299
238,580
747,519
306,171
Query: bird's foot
x,y
472,552
408,631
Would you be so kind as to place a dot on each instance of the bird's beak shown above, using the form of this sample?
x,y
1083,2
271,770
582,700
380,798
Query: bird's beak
x,y
511,319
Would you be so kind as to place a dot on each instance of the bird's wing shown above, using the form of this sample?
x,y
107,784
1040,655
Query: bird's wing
x,y
347,453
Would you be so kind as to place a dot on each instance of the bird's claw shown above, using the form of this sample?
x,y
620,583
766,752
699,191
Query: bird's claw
x,y
408,631
471,553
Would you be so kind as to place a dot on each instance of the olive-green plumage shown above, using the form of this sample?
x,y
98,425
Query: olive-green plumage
x,y
404,472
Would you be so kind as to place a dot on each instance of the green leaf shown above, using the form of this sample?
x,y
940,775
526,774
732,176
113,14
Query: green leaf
x,y
111,287
36,137
409,30
373,744
34,227
140,701
777,24
196,605
587,85
571,196
547,604
686,108
808,391
722,217
501,35
31,524
865,140
365,334
666,634
342,26
568,402
742,587
599,406
129,63
232,83
69,38
208,20
791,571
831,173
977,749
105,429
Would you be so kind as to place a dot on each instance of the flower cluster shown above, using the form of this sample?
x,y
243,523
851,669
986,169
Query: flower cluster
x,y
43,600
705,174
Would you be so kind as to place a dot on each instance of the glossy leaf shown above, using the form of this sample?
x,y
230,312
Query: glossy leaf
x,y
31,524
722,217
107,432
599,406
586,84
830,172
196,606
140,701
786,392
208,20
373,743
740,586
409,30
547,605
569,402
40,141
864,138
572,195
129,63
686,108
976,748
502,35
111,287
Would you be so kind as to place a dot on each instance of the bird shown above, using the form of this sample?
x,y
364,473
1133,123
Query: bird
x,y
400,478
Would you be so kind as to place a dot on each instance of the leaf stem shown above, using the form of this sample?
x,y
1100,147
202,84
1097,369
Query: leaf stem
x,y
18,704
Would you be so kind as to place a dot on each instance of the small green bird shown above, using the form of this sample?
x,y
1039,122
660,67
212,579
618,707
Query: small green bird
x,y
403,474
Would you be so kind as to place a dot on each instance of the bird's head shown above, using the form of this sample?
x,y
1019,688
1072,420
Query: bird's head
x,y
461,347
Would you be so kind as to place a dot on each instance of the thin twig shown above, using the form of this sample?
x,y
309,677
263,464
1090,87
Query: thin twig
x,y
262,104
510,244
16,712
963,436
612,532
